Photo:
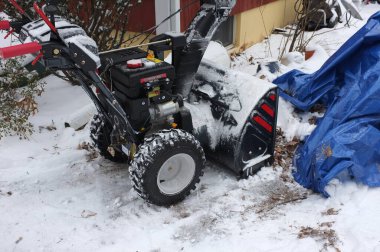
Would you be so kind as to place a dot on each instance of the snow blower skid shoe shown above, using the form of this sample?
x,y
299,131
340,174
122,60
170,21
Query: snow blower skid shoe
x,y
157,116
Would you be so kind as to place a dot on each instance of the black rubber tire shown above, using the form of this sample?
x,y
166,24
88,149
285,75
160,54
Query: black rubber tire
x,y
151,156
99,132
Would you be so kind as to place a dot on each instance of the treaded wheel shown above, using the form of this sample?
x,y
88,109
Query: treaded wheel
x,y
99,132
167,166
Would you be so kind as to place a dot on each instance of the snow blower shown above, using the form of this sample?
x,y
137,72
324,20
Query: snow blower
x,y
161,118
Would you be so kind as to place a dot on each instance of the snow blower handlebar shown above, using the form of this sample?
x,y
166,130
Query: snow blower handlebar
x,y
19,50
27,48
44,17
15,26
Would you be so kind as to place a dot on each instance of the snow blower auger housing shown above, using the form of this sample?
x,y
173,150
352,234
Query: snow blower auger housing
x,y
161,117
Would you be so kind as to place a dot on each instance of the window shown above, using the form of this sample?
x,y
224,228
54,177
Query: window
x,y
225,32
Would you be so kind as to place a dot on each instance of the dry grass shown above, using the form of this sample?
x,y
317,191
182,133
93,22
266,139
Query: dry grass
x,y
91,154
284,153
323,233
282,196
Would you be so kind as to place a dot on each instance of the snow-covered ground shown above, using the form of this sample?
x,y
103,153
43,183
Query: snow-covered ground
x,y
55,197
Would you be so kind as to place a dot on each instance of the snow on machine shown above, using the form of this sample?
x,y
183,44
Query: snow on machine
x,y
161,117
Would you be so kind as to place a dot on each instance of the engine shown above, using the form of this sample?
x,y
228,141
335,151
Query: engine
x,y
143,85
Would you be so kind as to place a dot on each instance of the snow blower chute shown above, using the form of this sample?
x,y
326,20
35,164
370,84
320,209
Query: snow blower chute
x,y
161,117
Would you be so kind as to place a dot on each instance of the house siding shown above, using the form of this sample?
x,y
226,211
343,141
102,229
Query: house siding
x,y
245,5
142,16
189,10
254,25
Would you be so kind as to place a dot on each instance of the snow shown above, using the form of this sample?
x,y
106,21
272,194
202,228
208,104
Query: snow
x,y
8,41
254,161
53,197
327,39
80,118
241,98
317,60
218,54
291,124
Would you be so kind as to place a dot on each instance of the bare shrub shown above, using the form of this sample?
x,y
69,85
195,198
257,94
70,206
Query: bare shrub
x,y
18,89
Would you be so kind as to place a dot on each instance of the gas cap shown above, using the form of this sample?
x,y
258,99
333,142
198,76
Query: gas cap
x,y
135,63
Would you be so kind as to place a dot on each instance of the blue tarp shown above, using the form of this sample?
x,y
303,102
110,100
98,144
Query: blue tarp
x,y
346,142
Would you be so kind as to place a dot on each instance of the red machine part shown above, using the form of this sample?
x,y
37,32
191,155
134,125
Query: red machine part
x,y
44,17
263,123
272,97
267,109
39,56
18,7
136,63
9,33
5,25
153,78
19,50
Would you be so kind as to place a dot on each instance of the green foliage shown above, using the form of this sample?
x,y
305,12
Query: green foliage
x,y
18,88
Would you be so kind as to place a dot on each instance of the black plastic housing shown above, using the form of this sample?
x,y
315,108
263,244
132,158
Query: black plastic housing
x,y
113,58
254,142
176,45
131,87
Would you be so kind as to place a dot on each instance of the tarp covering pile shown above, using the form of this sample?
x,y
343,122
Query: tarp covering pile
x,y
346,142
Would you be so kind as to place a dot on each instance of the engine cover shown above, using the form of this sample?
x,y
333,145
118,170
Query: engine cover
x,y
139,84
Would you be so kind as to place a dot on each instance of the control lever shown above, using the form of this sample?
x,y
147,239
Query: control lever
x,y
44,17
9,33
5,25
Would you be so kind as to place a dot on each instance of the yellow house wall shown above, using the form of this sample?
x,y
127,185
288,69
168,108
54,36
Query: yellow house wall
x,y
254,25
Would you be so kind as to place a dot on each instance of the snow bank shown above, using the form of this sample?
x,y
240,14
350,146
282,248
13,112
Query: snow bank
x,y
81,117
319,57
291,124
296,60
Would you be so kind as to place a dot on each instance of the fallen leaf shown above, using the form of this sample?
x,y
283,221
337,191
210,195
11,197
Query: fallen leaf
x,y
18,240
87,214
